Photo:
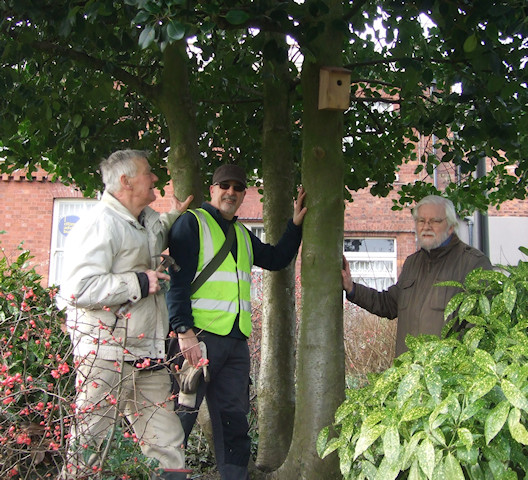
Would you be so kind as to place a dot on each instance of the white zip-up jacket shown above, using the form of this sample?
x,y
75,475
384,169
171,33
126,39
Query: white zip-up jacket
x,y
103,252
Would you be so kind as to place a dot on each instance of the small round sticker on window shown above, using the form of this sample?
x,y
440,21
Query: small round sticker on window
x,y
67,223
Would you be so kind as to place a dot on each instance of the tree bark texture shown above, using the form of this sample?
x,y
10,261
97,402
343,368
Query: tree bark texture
x,y
276,395
177,105
320,356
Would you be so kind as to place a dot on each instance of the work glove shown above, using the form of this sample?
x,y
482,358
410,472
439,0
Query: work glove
x,y
188,378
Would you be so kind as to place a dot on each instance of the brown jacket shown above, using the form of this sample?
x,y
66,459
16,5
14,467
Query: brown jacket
x,y
414,299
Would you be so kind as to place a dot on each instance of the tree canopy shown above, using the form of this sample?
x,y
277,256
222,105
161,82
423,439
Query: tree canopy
x,y
79,77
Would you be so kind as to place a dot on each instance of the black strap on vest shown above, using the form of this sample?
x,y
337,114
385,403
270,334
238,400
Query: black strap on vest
x,y
216,261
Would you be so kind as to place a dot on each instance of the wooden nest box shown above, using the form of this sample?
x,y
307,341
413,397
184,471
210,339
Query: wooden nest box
x,y
334,88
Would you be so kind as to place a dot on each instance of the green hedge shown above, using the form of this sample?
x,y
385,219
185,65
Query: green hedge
x,y
450,408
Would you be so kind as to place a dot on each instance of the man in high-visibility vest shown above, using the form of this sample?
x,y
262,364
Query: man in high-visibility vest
x,y
218,313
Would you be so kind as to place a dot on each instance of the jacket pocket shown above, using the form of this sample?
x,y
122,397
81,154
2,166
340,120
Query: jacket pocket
x,y
440,296
406,287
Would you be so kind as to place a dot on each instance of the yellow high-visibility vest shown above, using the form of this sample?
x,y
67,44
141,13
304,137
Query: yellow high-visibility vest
x,y
227,292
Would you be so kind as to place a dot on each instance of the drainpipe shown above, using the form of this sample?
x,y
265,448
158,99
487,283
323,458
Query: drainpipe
x,y
433,151
470,224
483,217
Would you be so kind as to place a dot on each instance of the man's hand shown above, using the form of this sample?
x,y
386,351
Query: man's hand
x,y
154,278
181,206
299,210
348,284
189,347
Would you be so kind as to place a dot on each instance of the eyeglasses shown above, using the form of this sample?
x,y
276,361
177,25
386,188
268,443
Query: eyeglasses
x,y
227,186
421,222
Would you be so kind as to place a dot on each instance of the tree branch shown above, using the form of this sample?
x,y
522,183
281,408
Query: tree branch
x,y
83,58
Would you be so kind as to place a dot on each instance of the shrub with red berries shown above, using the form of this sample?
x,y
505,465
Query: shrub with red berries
x,y
36,385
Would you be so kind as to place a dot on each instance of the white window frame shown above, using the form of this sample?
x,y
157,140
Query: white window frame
x,y
258,230
378,281
61,225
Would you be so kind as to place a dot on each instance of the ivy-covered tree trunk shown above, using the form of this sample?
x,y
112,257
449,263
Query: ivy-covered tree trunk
x,y
320,356
276,396
176,103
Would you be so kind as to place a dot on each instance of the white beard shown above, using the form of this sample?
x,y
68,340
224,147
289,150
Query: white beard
x,y
430,240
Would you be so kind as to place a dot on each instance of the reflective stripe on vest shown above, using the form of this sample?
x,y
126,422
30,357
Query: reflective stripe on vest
x,y
227,292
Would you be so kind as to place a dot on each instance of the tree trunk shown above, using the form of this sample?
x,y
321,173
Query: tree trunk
x,y
276,395
320,358
177,105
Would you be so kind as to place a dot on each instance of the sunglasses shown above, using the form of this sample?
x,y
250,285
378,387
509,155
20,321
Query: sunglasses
x,y
227,186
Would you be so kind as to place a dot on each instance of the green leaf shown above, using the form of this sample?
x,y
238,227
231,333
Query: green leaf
x,y
77,120
332,445
146,37
414,413
237,17
348,427
433,381
476,320
482,386
408,386
466,437
453,304
470,44
345,459
415,473
368,470
468,456
484,304
366,438
437,418
374,418
391,443
141,17
495,421
322,440
484,360
518,431
175,30
449,283
472,409
344,410
388,469
467,306
410,448
514,395
426,457
473,337
452,468
509,296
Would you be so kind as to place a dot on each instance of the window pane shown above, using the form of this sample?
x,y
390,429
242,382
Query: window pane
x,y
66,213
369,245
372,261
258,232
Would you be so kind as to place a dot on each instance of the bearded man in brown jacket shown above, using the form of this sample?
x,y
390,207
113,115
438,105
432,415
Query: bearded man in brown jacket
x,y
414,299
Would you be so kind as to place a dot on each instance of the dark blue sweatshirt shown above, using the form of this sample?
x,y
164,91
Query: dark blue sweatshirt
x,y
184,245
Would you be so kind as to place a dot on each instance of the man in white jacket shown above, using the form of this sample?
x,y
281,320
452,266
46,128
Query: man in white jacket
x,y
110,260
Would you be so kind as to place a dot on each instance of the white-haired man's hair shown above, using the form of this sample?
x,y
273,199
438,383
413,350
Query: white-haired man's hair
x,y
121,162
450,213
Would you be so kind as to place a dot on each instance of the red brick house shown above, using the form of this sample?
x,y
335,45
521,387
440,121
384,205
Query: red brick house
x,y
39,213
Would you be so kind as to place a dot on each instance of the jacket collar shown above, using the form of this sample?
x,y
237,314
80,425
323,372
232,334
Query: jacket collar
x,y
443,249
110,201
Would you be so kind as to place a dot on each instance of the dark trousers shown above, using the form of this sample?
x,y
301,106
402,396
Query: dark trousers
x,y
227,395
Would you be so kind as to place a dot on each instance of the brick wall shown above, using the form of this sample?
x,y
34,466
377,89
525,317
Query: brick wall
x,y
26,211
367,216
26,207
